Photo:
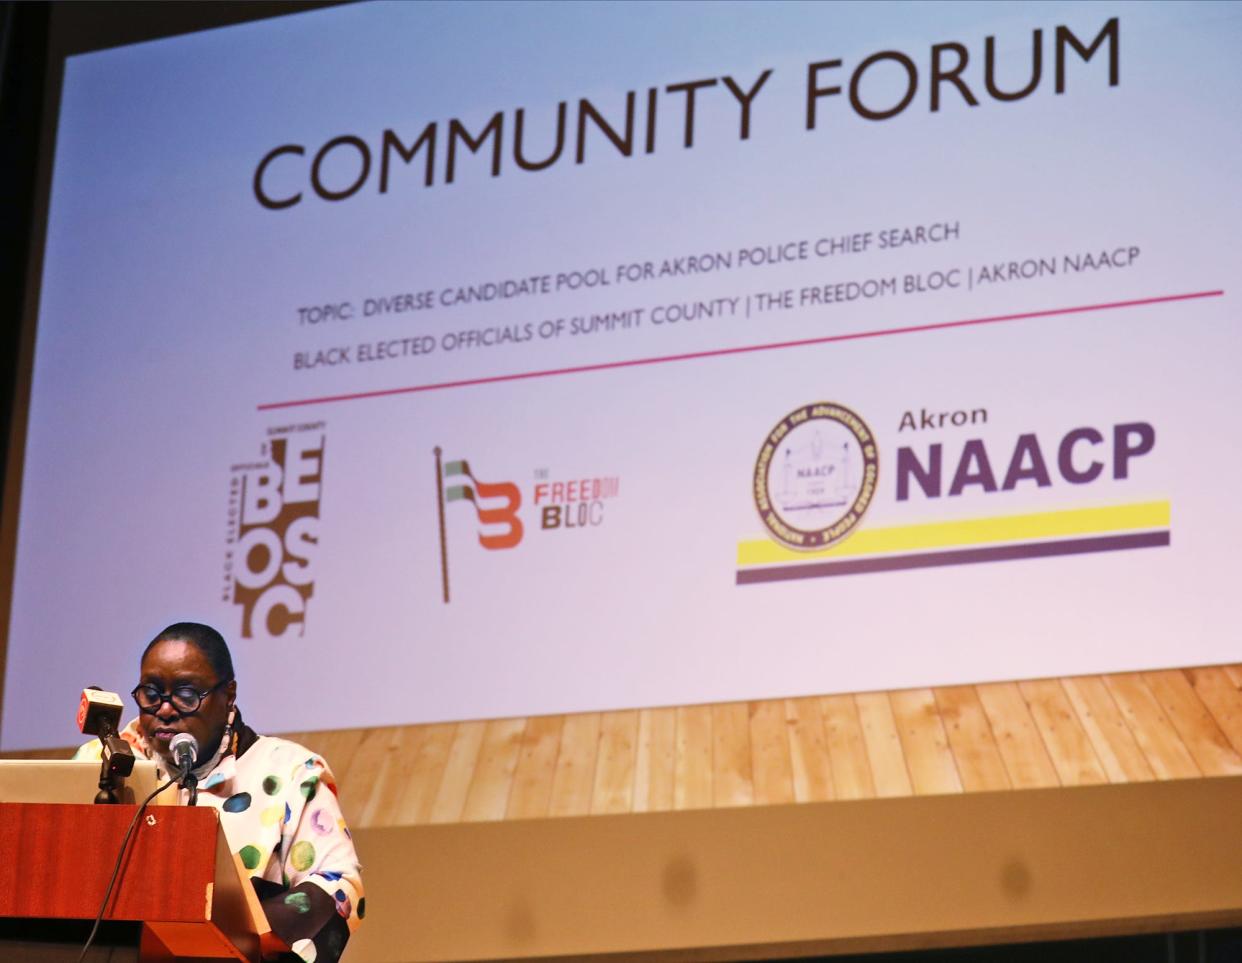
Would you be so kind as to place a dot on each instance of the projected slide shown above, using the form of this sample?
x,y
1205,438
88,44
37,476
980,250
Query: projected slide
x,y
469,360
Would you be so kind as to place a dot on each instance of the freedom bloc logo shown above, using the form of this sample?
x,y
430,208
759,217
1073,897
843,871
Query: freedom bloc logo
x,y
965,488
495,507
556,505
273,539
504,499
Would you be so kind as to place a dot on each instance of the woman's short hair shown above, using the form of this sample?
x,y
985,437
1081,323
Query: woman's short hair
x,y
204,638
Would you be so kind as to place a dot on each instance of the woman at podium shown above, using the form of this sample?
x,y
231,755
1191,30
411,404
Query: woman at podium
x,y
277,799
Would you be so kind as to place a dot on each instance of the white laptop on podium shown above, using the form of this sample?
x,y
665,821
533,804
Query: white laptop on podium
x,y
73,781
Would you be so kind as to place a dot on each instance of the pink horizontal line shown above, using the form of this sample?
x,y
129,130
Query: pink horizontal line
x,y
720,352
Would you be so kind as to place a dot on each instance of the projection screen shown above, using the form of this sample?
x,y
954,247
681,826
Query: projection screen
x,y
475,360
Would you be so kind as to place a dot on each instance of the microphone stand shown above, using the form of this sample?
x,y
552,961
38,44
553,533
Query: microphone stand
x,y
116,762
108,785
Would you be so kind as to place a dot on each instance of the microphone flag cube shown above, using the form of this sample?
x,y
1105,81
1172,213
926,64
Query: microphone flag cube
x,y
99,712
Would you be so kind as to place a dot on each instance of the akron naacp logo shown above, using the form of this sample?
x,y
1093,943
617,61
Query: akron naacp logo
x,y
815,476
817,472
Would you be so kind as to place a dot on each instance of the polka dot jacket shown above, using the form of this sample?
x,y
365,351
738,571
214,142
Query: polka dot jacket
x,y
280,814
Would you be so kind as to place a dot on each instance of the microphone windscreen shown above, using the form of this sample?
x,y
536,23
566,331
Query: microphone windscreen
x,y
184,748
98,710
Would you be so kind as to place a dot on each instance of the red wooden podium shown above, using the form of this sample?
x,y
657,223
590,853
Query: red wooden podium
x,y
178,879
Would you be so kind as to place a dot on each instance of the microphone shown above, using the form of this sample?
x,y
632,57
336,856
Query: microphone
x,y
98,712
98,715
184,750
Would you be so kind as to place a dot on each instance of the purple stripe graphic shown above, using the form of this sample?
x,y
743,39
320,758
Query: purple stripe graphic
x,y
967,556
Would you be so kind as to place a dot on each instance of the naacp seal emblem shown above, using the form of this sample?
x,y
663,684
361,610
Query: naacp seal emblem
x,y
815,475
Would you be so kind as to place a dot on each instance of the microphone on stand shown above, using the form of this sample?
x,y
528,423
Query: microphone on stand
x,y
98,715
184,750
98,712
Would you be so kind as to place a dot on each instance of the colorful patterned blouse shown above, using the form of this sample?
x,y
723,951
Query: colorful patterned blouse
x,y
280,814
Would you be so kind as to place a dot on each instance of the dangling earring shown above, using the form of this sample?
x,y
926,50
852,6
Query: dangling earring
x,y
229,737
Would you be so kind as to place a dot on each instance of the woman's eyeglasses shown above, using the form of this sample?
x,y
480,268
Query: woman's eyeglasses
x,y
184,698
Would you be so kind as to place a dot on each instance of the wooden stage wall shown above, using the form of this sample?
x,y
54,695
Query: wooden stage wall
x,y
767,882
478,843
1173,724
720,869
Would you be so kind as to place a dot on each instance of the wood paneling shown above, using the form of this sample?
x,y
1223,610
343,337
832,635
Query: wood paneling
x,y
1105,726
810,765
1063,734
847,749
1221,698
731,774
1200,734
1135,727
931,764
1163,747
656,765
488,795
979,762
884,747
614,766
1017,737
531,795
573,781
1081,731
770,762
463,755
692,778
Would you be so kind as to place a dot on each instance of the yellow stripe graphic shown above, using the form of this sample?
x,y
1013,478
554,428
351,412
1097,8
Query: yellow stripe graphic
x,y
970,531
